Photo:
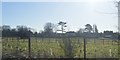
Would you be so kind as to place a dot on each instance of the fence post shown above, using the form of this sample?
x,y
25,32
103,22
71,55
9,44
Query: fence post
x,y
103,41
84,48
94,48
29,47
17,47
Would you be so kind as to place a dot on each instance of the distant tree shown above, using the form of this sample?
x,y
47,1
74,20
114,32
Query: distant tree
x,y
108,32
0,31
23,32
95,30
6,31
6,27
118,36
35,34
80,30
68,48
63,25
48,29
13,33
88,28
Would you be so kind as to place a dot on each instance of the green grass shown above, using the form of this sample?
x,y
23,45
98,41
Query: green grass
x,y
41,46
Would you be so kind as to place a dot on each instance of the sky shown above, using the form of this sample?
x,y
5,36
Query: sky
x,y
56,0
0,13
103,13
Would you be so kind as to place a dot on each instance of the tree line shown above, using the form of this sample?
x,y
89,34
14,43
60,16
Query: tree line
x,y
50,30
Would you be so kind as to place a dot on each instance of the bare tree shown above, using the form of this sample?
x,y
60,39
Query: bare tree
x,y
48,28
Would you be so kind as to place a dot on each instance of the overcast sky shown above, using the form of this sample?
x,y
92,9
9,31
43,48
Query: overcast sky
x,y
103,13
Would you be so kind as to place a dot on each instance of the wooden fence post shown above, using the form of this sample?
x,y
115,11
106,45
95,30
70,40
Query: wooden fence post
x,y
17,47
29,47
84,48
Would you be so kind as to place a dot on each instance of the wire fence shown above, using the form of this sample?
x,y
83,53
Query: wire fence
x,y
67,47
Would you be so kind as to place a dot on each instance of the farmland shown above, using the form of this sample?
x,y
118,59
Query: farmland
x,y
51,47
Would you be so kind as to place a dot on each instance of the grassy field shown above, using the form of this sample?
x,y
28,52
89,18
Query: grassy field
x,y
50,48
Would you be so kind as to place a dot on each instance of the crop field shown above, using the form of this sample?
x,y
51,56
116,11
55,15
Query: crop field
x,y
54,47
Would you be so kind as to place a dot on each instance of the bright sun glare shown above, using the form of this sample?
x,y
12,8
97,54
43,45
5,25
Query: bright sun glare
x,y
96,1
